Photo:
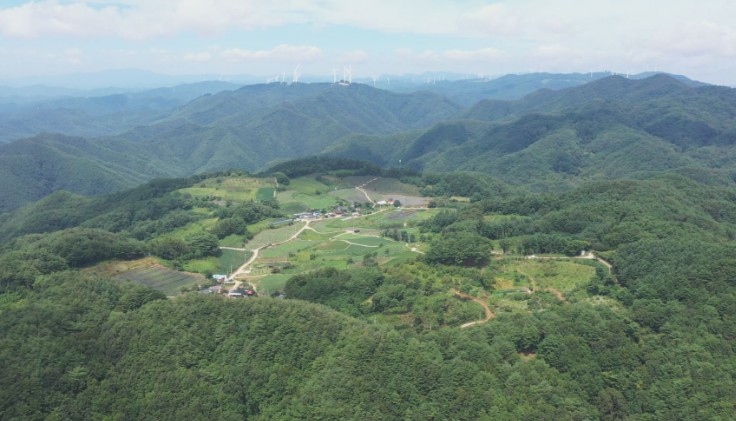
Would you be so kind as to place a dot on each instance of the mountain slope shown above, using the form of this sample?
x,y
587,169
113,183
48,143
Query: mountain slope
x,y
607,129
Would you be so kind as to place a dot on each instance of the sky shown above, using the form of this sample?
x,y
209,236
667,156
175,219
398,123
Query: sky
x,y
373,37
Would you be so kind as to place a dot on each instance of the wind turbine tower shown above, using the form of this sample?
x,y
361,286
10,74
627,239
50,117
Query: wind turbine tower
x,y
296,74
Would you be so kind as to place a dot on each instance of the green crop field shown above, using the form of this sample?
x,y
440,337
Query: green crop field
x,y
232,241
271,236
271,283
283,250
193,228
300,201
230,260
161,278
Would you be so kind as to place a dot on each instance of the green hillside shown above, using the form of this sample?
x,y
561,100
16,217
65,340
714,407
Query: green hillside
x,y
612,128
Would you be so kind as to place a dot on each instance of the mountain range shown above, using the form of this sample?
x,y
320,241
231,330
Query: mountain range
x,y
607,129
612,127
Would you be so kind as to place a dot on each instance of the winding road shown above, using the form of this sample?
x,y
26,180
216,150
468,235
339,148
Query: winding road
x,y
489,314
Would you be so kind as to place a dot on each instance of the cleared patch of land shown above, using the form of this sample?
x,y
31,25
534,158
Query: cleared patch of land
x,y
518,281
151,273
237,189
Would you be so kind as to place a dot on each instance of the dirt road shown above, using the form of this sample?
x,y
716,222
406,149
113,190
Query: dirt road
x,y
365,193
489,314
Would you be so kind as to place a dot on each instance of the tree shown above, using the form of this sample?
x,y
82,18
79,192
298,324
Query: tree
x,y
459,248
282,178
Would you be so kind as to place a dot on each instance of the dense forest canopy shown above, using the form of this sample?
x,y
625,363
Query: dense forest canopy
x,y
651,338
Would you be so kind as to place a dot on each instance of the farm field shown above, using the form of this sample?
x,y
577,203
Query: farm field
x,y
335,242
275,235
271,283
149,272
296,201
350,195
388,218
237,189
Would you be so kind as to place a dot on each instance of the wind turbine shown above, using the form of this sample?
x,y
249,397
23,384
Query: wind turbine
x,y
334,75
350,74
295,75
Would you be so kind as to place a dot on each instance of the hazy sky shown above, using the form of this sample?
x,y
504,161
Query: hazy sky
x,y
266,37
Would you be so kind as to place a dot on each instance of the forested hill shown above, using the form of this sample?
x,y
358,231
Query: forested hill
x,y
245,129
396,331
607,129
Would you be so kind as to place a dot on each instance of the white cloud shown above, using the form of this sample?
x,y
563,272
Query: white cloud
x,y
197,57
695,39
53,18
283,52
136,20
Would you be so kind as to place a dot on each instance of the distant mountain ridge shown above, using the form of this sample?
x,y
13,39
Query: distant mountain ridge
x,y
246,128
611,128
22,117
614,127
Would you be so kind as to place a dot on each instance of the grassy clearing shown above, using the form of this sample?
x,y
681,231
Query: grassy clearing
x,y
515,278
563,275
265,193
232,241
204,265
196,227
307,185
